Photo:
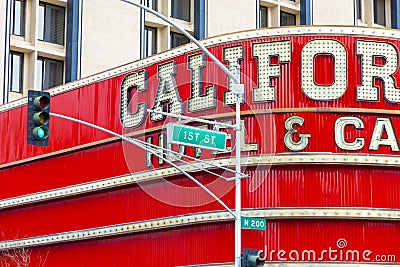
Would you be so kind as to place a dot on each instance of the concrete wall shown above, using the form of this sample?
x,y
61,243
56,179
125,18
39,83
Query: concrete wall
x,y
110,35
340,12
226,16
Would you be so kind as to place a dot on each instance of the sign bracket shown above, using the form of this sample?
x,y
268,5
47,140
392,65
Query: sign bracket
x,y
180,117
138,144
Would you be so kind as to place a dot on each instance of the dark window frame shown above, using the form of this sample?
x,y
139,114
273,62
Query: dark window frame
x,y
21,72
175,34
264,10
359,9
21,20
176,16
51,60
46,5
288,13
154,41
376,18
154,4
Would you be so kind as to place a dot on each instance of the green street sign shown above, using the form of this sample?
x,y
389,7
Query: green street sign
x,y
197,137
253,223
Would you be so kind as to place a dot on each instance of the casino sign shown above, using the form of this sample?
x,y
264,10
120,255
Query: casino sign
x,y
321,127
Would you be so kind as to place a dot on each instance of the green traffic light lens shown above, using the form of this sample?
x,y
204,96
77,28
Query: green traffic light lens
x,y
41,133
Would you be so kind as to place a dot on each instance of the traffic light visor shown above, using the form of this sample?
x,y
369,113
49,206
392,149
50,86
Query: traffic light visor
x,y
251,258
254,260
41,133
41,118
41,102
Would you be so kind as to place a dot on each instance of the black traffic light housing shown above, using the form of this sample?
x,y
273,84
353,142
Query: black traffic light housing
x,y
251,258
38,130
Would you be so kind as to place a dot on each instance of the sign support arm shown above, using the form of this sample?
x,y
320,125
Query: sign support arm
x,y
134,142
178,116
199,160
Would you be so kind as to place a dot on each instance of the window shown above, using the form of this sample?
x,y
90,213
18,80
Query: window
x,y
287,19
263,17
150,44
16,71
18,20
153,4
379,12
51,23
49,73
180,9
358,9
178,39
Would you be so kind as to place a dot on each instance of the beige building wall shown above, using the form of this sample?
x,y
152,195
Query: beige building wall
x,y
110,35
226,16
338,12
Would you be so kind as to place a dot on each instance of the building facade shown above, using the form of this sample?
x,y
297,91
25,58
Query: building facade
x,y
319,118
48,43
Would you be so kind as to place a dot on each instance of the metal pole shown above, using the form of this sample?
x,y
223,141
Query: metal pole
x,y
238,193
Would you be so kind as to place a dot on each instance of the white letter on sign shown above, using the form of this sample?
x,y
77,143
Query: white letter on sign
x,y
323,47
340,140
232,55
289,142
368,52
198,101
383,124
263,53
138,80
167,92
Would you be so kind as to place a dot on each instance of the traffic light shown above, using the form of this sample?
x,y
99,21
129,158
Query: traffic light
x,y
251,258
38,118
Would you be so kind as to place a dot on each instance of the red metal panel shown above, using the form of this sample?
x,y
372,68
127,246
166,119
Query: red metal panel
x,y
214,243
324,186
73,168
319,186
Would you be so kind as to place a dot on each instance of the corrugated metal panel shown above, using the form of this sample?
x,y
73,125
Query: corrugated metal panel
x,y
214,243
283,187
324,186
